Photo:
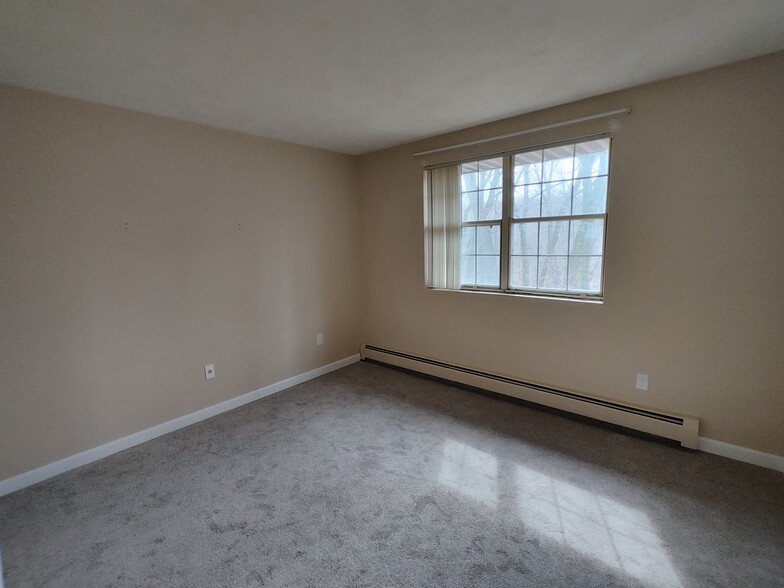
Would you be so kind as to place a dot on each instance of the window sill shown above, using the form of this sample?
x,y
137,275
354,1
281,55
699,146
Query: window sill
x,y
584,300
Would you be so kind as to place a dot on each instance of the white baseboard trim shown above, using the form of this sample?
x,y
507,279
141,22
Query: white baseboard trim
x,y
736,452
74,461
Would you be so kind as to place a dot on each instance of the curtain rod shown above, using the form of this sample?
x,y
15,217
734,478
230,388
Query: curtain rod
x,y
526,131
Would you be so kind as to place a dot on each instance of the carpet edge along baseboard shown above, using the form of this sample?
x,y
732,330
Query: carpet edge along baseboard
x,y
55,468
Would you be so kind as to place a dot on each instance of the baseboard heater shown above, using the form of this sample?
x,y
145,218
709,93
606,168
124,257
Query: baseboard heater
x,y
663,424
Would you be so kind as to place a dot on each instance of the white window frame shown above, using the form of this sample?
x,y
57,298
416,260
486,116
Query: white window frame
x,y
507,221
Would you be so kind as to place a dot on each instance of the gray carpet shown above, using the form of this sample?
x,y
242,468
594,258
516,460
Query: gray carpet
x,y
373,477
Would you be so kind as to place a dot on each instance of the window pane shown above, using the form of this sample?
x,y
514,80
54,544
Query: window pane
x,y
522,272
468,241
586,237
488,270
467,270
590,196
469,206
528,168
552,273
545,253
491,173
525,239
592,158
527,201
556,199
558,163
554,238
488,240
490,204
468,176
585,274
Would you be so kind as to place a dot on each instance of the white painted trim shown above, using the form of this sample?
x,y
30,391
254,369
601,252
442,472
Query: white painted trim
x,y
74,461
669,425
736,452
690,440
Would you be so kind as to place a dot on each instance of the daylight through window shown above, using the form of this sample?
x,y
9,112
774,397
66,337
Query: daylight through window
x,y
530,222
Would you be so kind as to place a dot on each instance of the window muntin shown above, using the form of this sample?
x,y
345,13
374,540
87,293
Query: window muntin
x,y
482,200
543,230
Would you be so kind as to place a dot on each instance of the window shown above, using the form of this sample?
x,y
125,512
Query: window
x,y
529,222
481,193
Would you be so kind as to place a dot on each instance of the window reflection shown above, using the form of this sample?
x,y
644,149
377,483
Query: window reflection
x,y
471,472
593,525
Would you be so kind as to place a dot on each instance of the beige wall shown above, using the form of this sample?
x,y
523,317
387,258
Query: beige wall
x,y
136,249
694,291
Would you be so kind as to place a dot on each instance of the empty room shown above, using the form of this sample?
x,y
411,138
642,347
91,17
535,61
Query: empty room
x,y
407,293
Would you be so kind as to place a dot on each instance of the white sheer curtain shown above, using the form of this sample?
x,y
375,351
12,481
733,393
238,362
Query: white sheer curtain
x,y
443,268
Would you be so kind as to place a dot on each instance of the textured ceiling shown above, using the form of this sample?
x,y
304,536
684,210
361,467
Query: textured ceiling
x,y
359,75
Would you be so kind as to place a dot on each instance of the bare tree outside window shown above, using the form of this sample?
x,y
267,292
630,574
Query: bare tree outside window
x,y
482,213
556,219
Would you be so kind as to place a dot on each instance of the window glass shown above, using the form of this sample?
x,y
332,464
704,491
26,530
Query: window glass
x,y
552,212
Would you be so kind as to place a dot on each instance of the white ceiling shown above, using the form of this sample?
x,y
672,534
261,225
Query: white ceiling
x,y
359,75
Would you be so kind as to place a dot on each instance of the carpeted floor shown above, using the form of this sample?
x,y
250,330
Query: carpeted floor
x,y
374,477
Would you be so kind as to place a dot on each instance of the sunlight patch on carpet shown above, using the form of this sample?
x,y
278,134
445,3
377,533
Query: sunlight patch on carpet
x,y
596,526
470,471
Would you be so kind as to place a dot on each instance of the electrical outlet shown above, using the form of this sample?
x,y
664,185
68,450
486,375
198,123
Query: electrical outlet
x,y
642,381
320,339
209,371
